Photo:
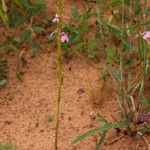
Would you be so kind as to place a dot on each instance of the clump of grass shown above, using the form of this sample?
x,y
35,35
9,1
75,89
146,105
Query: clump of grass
x,y
130,86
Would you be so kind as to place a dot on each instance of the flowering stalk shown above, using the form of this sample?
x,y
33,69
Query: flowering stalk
x,y
3,13
145,48
59,70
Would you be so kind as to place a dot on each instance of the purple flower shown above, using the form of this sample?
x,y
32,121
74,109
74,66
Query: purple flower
x,y
64,37
56,19
145,118
146,35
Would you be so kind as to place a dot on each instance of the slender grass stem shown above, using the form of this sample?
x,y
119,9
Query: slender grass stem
x,y
145,48
4,13
129,71
141,91
121,66
130,50
121,50
99,19
59,71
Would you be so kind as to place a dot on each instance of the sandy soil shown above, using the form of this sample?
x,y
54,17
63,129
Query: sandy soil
x,y
25,106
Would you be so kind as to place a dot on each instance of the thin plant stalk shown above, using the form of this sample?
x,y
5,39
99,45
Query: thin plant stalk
x,y
129,71
99,19
130,51
3,13
123,98
59,71
145,49
121,68
141,91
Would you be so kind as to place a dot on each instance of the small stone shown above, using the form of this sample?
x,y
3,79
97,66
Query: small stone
x,y
92,115
81,91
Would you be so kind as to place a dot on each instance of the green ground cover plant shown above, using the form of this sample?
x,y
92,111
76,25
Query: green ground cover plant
x,y
12,14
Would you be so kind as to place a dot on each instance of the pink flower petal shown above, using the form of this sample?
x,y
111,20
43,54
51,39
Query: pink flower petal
x,y
146,35
56,19
56,16
64,37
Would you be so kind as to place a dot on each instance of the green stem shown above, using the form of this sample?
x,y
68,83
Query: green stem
x,y
142,88
145,48
3,13
131,111
130,50
121,67
59,71
99,19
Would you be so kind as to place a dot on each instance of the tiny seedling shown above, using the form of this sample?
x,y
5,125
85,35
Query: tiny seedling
x,y
49,118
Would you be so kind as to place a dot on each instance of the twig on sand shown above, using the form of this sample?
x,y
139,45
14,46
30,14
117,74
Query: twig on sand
x,y
146,141
115,139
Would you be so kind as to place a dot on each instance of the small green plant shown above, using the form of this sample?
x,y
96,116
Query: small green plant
x,y
15,44
78,30
50,118
3,71
9,146
14,12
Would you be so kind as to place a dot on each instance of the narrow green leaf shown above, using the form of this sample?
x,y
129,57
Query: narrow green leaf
x,y
38,29
4,7
113,72
138,7
86,135
98,129
147,101
101,119
102,139
26,35
75,13
147,109
110,54
118,2
3,82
